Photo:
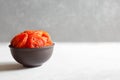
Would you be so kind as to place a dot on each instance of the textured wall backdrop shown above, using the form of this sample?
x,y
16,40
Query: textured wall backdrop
x,y
65,20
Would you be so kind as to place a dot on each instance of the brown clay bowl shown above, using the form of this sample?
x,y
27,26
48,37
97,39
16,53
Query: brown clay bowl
x,y
31,57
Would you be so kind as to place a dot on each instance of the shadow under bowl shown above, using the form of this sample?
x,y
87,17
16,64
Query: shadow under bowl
x,y
32,57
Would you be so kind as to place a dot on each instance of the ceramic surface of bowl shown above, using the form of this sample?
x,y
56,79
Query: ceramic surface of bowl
x,y
32,57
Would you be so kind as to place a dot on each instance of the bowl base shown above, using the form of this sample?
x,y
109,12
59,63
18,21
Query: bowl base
x,y
32,66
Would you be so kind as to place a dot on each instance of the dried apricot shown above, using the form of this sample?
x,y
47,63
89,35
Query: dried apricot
x,y
32,39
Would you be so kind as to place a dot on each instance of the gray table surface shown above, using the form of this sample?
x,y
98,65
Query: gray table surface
x,y
70,61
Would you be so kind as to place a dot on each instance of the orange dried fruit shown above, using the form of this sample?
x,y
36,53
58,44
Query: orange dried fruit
x,y
32,39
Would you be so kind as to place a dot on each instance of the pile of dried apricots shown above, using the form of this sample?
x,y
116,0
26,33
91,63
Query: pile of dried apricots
x,y
31,39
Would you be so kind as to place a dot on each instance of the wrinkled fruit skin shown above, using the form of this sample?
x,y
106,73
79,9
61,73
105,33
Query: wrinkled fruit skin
x,y
32,39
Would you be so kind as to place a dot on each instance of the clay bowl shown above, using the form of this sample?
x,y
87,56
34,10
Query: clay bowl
x,y
32,57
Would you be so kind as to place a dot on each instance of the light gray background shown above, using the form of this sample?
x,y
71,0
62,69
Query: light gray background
x,y
65,20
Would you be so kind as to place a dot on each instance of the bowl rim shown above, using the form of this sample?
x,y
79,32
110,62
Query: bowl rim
x,y
10,46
